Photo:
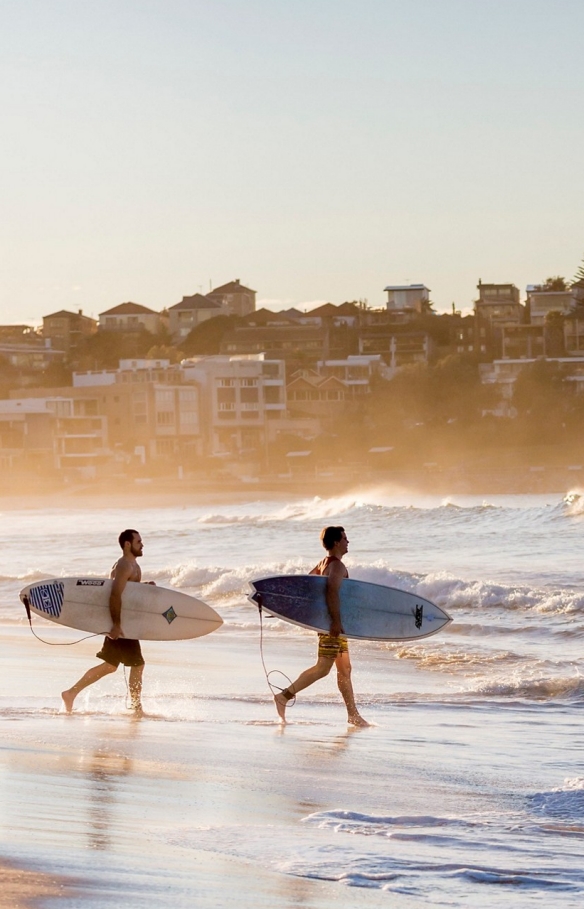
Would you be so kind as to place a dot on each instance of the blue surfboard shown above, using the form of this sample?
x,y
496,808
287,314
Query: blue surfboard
x,y
370,612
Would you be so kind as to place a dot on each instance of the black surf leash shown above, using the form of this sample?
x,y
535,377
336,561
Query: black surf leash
x,y
275,689
26,603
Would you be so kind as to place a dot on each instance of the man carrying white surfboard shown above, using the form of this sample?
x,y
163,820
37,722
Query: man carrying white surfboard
x,y
333,647
116,648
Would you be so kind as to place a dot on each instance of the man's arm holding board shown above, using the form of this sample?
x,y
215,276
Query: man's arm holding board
x,y
122,574
334,578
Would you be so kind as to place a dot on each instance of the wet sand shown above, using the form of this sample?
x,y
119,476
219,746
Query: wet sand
x,y
24,889
156,812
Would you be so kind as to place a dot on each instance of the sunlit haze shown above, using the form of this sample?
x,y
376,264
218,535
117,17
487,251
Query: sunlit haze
x,y
316,150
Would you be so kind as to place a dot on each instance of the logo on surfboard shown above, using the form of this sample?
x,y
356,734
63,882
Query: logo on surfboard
x,y
47,598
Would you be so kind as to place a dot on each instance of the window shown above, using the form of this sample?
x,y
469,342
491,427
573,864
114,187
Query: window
x,y
272,394
249,395
165,417
164,447
225,396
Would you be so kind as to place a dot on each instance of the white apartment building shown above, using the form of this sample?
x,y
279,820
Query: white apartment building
x,y
55,427
243,400
543,301
401,297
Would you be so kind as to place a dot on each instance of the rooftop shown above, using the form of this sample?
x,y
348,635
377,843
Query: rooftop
x,y
197,301
127,309
233,287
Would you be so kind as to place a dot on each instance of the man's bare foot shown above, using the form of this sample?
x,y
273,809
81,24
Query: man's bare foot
x,y
281,702
357,720
137,710
68,697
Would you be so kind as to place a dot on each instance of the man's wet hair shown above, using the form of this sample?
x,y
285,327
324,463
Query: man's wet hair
x,y
331,535
126,536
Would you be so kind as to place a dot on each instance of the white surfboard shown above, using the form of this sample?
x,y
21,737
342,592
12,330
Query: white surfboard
x,y
149,613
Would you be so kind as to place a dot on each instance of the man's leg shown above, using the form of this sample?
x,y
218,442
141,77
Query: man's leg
x,y
321,668
91,676
343,664
136,687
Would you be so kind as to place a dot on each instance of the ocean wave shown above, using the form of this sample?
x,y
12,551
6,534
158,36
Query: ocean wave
x,y
452,661
364,505
342,821
573,503
541,688
566,801
305,510
27,577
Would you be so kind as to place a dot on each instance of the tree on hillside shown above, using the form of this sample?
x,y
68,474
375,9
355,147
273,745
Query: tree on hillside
x,y
165,352
433,395
553,334
542,397
104,349
556,283
205,339
579,276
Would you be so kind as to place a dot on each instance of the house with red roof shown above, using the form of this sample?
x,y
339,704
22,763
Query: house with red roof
x,y
131,317
240,300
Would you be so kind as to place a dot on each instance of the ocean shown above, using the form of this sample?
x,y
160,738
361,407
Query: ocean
x,y
467,788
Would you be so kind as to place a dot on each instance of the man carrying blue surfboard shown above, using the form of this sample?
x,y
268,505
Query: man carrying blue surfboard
x,y
333,648
116,648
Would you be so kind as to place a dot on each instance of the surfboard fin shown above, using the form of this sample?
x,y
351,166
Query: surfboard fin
x,y
26,605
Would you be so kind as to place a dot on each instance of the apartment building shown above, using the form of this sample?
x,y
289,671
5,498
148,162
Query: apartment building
x,y
355,372
404,298
45,433
287,342
243,401
540,302
397,345
499,304
151,414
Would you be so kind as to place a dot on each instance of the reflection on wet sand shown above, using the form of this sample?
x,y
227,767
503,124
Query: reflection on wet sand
x,y
22,889
103,775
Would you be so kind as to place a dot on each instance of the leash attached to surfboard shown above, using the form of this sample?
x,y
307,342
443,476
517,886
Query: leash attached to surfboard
x,y
26,604
275,689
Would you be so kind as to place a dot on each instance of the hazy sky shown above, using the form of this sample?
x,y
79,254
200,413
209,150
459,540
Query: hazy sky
x,y
315,149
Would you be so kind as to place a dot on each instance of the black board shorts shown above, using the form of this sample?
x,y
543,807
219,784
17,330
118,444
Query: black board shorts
x,y
122,650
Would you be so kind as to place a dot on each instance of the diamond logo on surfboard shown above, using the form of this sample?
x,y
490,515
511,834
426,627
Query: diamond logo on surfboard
x,y
170,615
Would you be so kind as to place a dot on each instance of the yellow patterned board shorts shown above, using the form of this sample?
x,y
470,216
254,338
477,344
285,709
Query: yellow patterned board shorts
x,y
331,647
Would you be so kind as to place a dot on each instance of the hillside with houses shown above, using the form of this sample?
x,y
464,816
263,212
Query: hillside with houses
x,y
214,390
